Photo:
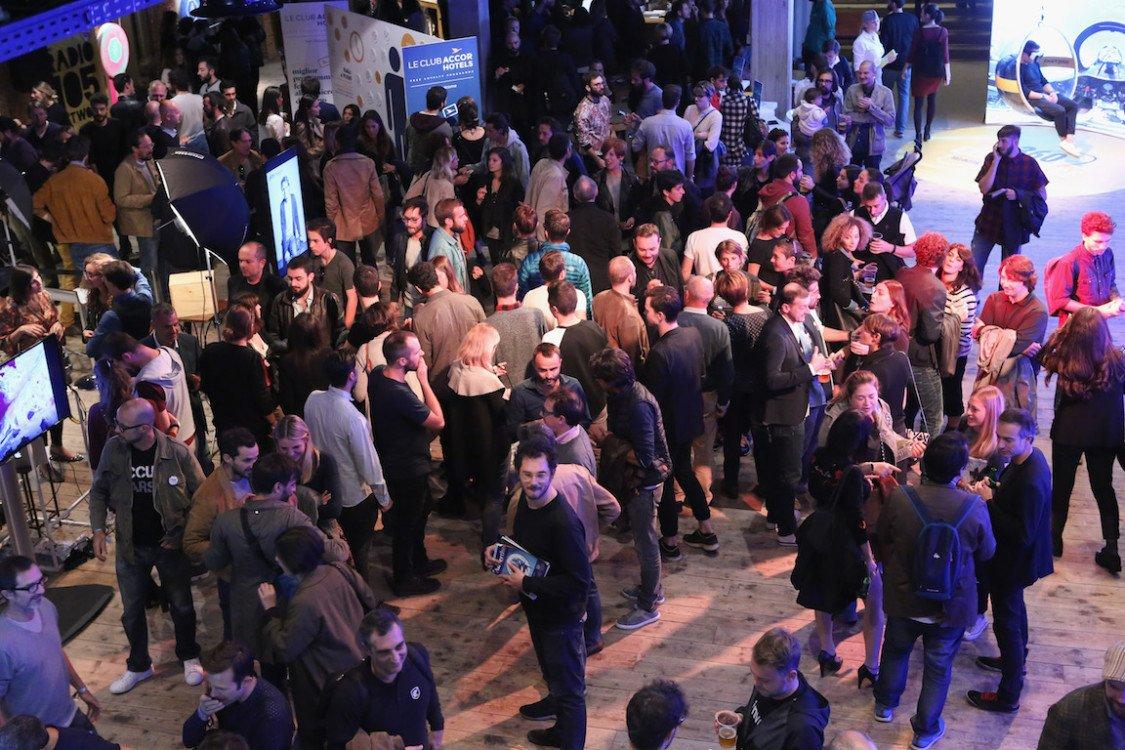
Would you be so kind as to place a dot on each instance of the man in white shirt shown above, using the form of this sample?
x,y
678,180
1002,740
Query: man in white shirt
x,y
552,267
190,106
161,366
699,250
340,430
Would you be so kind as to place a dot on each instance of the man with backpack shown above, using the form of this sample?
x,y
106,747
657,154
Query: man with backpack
x,y
932,538
1020,510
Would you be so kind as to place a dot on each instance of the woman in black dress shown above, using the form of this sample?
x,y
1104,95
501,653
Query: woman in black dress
x,y
830,583
1088,421
496,200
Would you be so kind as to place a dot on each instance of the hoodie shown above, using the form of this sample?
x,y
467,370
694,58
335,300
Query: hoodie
x,y
796,721
131,312
418,131
773,192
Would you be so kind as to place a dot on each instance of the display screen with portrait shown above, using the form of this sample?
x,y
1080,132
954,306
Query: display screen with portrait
x,y
287,212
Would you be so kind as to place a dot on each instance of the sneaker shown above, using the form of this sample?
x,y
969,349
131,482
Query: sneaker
x,y
705,542
129,680
416,587
990,702
637,618
884,715
544,737
193,672
1069,148
787,540
923,741
543,710
977,628
898,134
634,593
670,551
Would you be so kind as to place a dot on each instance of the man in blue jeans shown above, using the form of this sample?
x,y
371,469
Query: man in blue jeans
x,y
940,624
896,32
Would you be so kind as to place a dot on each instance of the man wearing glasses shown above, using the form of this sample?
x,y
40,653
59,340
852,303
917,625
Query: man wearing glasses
x,y
35,673
148,479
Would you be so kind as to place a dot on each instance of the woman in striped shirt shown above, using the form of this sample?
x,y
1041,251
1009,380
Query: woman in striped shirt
x,y
962,282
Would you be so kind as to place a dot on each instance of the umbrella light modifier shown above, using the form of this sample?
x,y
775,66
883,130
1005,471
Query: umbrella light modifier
x,y
206,201
16,200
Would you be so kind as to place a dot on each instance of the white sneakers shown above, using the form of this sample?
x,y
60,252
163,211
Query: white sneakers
x,y
977,628
1070,148
193,675
193,672
129,680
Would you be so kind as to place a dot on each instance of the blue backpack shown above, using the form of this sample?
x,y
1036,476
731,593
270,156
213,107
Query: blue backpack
x,y
937,555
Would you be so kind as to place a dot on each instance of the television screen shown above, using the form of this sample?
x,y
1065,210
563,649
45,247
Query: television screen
x,y
287,213
1080,44
33,396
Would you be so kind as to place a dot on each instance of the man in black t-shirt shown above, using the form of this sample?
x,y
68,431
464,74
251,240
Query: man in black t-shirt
x,y
403,426
546,526
391,692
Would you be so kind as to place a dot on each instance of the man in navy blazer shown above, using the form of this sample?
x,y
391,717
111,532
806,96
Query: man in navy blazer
x,y
790,354
1020,510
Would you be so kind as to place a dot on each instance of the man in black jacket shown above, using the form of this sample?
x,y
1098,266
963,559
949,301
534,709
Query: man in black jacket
x,y
594,235
546,526
633,418
1020,511
784,710
674,373
303,296
410,246
655,265
789,350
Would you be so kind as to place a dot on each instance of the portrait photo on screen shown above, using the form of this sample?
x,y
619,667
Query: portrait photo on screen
x,y
1078,47
287,212
32,396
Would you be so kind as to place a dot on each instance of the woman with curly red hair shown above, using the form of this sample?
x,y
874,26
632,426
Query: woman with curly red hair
x,y
925,300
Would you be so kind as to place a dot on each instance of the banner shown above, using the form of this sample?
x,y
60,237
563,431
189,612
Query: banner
x,y
76,76
1081,46
365,56
454,64
304,29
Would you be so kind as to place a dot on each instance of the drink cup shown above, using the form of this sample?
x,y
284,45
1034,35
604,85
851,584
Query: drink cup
x,y
728,736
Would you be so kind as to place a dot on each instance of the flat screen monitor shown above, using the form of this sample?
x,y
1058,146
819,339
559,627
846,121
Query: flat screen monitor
x,y
33,396
287,212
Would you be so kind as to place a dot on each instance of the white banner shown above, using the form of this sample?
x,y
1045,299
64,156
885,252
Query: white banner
x,y
304,29
367,66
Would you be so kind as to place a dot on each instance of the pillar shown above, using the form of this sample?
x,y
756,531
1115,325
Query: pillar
x,y
771,48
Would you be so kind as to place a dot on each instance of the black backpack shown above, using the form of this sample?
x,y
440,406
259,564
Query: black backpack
x,y
937,554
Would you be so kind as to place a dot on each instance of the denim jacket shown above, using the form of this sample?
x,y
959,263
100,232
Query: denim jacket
x,y
176,477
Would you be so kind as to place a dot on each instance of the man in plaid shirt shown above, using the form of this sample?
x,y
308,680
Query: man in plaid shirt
x,y
1005,172
591,117
737,109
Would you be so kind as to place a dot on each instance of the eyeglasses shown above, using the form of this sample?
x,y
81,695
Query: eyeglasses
x,y
41,583
825,80
122,428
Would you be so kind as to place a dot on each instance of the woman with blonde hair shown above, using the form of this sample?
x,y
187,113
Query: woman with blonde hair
x,y
1089,421
316,471
476,417
437,182
841,302
44,95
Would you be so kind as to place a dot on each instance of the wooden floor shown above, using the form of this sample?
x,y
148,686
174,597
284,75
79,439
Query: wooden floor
x,y
716,608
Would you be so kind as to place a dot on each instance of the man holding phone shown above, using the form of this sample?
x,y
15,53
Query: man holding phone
x,y
1006,173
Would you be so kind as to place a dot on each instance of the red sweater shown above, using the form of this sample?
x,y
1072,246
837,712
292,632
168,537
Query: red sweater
x,y
801,228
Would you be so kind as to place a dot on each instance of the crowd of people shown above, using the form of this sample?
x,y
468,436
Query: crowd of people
x,y
582,308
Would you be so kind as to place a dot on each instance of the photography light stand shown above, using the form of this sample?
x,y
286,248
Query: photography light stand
x,y
19,534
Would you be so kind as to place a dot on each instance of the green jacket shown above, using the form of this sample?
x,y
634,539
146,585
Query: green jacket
x,y
176,478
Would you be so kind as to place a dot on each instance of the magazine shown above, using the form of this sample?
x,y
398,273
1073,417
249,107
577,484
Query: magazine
x,y
511,556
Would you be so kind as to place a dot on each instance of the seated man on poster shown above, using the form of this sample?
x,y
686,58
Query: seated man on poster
x,y
1045,100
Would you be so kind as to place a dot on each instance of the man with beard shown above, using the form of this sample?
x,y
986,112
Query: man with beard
x,y
107,139
452,220
1006,173
555,603
526,402
35,673
591,117
645,97
871,107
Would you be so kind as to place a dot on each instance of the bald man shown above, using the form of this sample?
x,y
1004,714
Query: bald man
x,y
718,371
594,234
148,479
616,311
254,275
871,108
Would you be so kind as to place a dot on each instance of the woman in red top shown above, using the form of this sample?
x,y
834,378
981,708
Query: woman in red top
x,y
929,59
